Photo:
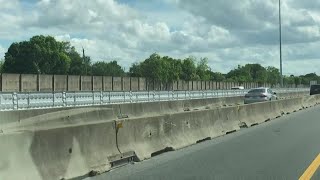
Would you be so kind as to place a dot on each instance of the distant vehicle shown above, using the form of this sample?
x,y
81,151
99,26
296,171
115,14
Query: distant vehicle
x,y
315,89
259,95
238,87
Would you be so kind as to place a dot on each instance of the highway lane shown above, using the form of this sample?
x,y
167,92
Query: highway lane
x,y
281,149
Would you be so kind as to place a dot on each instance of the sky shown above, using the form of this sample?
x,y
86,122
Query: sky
x,y
227,32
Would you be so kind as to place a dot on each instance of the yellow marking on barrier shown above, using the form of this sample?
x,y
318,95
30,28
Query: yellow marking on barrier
x,y
119,125
311,169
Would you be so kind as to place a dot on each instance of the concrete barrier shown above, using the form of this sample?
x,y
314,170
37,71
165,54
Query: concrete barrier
x,y
29,82
86,83
10,82
74,143
58,153
253,114
66,117
55,116
107,83
147,136
45,83
73,83
117,84
148,109
60,83
142,84
97,83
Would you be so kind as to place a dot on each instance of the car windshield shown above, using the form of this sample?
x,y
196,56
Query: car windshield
x,y
257,91
315,87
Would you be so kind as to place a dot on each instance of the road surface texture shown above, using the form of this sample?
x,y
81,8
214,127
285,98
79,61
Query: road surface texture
x,y
284,148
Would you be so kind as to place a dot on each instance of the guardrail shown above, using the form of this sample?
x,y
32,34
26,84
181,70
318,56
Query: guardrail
x,y
36,100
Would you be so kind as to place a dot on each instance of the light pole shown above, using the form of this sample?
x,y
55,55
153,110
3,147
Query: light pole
x,y
280,41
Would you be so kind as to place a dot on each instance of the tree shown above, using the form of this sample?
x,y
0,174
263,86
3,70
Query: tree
x,y
203,70
41,54
112,68
297,80
288,80
135,70
152,68
189,69
216,76
241,74
1,65
273,75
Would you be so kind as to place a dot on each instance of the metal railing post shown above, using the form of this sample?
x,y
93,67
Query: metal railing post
x,y
28,100
64,99
15,100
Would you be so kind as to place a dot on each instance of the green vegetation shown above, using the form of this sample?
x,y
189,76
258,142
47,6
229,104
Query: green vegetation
x,y
45,55
1,65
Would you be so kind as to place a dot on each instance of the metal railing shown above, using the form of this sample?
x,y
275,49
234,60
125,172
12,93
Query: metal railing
x,y
37,100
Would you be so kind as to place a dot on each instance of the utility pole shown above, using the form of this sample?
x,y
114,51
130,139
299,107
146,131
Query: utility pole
x,y
84,60
280,41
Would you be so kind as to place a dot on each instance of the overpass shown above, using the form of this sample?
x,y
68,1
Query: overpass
x,y
76,142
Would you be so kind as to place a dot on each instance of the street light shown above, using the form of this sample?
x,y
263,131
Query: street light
x,y
280,41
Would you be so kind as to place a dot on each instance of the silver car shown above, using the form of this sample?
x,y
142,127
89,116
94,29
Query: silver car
x,y
259,95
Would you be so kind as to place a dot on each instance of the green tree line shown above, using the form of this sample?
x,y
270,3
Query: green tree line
x,y
45,55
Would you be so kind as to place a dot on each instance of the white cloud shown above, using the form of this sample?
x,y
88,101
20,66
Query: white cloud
x,y
2,51
228,32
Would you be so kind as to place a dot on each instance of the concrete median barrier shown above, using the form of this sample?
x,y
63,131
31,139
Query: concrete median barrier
x,y
17,116
152,134
58,153
54,117
92,139
253,114
170,107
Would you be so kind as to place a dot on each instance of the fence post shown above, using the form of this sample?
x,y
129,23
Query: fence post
x,y
15,100
74,99
92,97
64,99
130,95
28,100
172,93
101,97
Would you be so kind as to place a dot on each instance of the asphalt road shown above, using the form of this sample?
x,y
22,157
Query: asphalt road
x,y
281,149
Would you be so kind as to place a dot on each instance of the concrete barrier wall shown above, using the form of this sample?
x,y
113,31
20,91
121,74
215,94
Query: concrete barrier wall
x,y
165,107
97,83
60,82
86,83
13,82
126,83
57,153
10,82
142,84
203,85
134,84
190,85
117,84
175,85
45,83
29,82
73,83
107,83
